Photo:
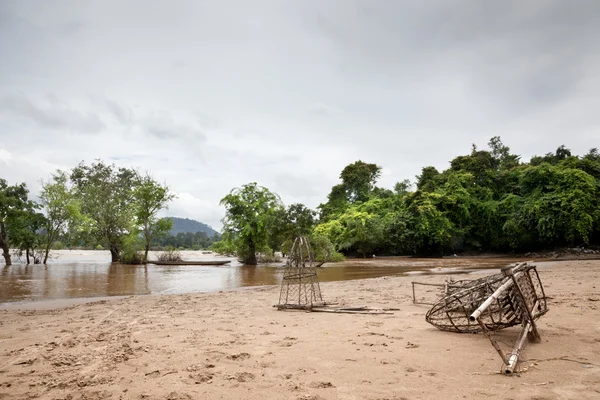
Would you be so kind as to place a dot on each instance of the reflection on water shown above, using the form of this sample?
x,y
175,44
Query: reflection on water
x,y
90,274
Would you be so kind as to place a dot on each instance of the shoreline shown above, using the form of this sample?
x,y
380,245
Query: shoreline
x,y
384,262
234,344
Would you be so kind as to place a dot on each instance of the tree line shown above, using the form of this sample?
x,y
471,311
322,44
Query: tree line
x,y
93,205
488,200
185,240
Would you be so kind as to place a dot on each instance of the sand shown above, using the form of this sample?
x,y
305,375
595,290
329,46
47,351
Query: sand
x,y
234,345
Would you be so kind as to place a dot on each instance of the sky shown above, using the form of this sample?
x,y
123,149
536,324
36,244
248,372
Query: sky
x,y
210,95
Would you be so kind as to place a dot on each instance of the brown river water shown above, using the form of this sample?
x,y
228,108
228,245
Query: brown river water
x,y
84,274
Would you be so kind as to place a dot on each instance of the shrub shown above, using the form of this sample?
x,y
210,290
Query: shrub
x,y
222,247
268,258
132,256
169,255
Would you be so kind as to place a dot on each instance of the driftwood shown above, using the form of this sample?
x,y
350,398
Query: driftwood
x,y
513,297
352,310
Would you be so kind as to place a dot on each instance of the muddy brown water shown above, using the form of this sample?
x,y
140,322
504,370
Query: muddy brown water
x,y
86,274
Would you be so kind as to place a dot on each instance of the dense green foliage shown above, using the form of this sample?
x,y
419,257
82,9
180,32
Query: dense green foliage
x,y
250,217
486,200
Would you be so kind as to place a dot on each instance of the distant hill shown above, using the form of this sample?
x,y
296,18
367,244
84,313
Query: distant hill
x,y
183,225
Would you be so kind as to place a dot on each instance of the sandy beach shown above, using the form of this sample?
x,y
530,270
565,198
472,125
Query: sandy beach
x,y
235,345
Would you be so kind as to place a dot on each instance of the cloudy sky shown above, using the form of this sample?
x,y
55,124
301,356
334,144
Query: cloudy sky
x,y
210,95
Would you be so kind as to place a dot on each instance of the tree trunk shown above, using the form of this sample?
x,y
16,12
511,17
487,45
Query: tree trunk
x,y
46,251
27,255
49,240
147,237
114,253
4,245
251,258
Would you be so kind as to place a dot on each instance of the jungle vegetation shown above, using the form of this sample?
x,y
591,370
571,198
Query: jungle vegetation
x,y
487,200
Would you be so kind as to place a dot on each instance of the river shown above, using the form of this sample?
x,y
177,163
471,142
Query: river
x,y
88,273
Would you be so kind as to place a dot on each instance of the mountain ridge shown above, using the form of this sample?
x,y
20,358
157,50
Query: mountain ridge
x,y
184,225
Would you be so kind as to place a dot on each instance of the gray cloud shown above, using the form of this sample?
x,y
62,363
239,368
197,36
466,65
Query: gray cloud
x,y
215,94
55,114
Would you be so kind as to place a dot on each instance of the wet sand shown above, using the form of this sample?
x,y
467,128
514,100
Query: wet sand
x,y
234,345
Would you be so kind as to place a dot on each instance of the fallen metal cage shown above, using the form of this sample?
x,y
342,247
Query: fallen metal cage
x,y
300,285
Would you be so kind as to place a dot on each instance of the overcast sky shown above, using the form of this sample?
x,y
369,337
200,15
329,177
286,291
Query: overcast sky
x,y
210,95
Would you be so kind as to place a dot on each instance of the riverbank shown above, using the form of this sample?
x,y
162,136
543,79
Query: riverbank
x,y
236,345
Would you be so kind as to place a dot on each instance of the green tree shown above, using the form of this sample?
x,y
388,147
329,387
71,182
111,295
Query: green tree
x,y
62,210
501,155
25,232
358,183
14,206
427,181
359,179
107,197
151,197
249,211
299,220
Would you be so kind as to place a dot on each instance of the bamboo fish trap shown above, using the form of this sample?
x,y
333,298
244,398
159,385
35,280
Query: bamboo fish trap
x,y
513,297
300,286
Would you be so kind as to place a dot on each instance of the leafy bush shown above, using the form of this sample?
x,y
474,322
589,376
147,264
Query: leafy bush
x,y
170,255
268,258
223,247
132,256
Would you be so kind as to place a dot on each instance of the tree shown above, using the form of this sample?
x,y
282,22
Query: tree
x,y
62,209
359,179
13,206
593,155
299,220
427,181
248,214
501,154
106,194
25,232
358,183
151,197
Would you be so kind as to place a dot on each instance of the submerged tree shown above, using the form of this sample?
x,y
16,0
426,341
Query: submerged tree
x,y
150,197
14,209
107,198
248,215
62,209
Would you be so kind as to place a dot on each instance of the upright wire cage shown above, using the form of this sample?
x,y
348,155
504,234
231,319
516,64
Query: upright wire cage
x,y
300,285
